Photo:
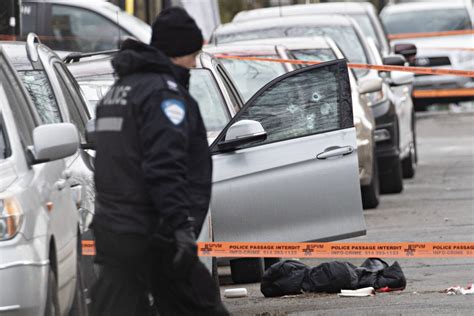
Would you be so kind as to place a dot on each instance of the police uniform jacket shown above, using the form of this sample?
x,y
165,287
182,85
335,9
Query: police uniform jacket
x,y
153,167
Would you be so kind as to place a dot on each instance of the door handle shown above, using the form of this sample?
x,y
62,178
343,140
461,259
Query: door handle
x,y
335,151
60,184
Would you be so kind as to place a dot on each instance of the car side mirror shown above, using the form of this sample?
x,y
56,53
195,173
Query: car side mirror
x,y
369,85
394,60
54,141
242,133
406,50
399,78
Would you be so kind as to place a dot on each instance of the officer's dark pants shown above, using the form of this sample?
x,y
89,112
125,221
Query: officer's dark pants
x,y
131,270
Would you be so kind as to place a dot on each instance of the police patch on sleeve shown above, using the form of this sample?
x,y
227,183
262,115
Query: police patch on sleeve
x,y
174,110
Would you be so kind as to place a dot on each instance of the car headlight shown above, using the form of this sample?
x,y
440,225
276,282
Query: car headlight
x,y
11,218
373,97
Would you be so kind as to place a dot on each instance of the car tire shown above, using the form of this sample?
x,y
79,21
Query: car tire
x,y
392,182
52,301
270,261
371,193
246,270
79,305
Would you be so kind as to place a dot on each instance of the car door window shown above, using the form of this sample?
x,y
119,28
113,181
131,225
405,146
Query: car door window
x,y
302,103
19,104
76,106
38,86
77,29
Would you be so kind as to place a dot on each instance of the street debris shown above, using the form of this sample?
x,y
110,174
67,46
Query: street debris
x,y
236,293
292,277
458,290
366,291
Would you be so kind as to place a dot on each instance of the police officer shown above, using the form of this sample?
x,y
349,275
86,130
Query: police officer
x,y
153,180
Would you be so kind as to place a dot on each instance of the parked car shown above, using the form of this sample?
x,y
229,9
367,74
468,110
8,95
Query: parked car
x,y
364,13
347,35
81,25
57,98
435,51
39,223
288,202
251,75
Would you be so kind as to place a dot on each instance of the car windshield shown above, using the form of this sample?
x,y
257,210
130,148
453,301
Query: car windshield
x,y
249,76
366,26
426,21
94,90
344,36
203,88
39,88
320,54
4,147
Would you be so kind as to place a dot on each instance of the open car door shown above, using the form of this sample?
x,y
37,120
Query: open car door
x,y
285,167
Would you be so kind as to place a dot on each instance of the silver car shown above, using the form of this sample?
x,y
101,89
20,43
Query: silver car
x,y
435,51
390,151
39,226
81,25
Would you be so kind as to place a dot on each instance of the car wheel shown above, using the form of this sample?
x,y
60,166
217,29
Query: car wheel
x,y
371,193
52,301
79,305
246,270
270,261
392,182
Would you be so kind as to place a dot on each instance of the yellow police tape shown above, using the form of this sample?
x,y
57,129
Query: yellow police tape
x,y
326,250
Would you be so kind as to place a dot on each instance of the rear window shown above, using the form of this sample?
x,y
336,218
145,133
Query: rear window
x,y
427,21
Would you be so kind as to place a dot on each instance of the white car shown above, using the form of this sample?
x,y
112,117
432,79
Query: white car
x,y
39,226
448,52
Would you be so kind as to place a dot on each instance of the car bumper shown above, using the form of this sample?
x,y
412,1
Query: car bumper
x,y
23,277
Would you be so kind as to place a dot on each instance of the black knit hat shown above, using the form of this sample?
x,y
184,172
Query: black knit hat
x,y
176,33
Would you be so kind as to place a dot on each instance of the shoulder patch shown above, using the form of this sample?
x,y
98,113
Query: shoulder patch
x,y
174,110
172,85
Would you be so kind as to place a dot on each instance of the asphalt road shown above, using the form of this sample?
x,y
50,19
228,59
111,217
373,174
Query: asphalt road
x,y
437,205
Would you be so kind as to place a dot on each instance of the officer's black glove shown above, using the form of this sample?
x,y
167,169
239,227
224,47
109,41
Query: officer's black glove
x,y
186,249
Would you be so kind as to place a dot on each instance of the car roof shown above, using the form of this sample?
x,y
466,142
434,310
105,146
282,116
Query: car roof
x,y
422,6
267,23
16,52
302,9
